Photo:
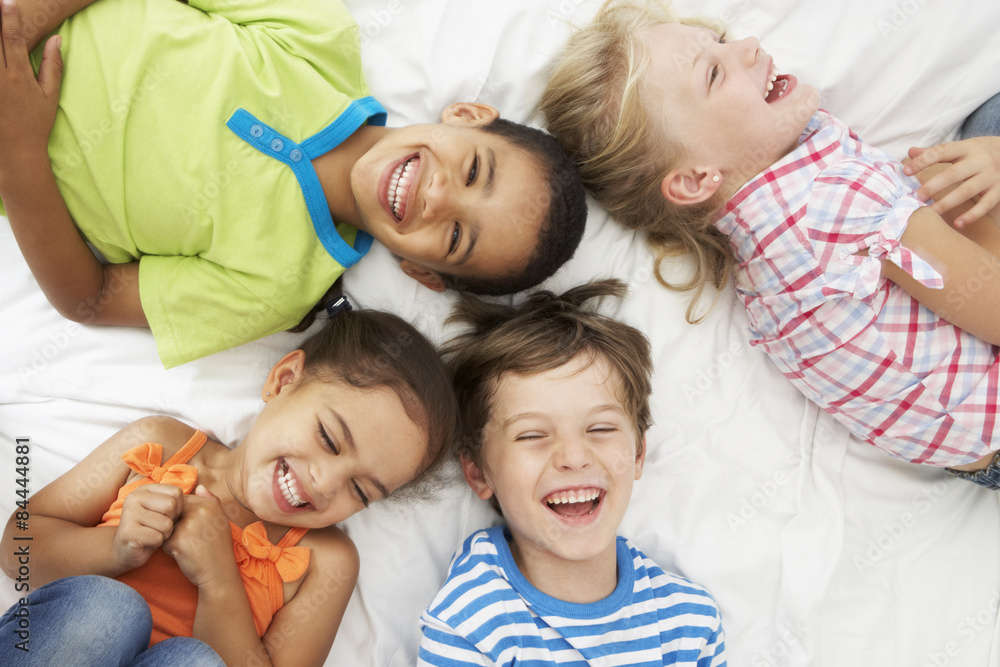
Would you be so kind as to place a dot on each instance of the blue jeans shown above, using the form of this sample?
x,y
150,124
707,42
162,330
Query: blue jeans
x,y
90,620
984,121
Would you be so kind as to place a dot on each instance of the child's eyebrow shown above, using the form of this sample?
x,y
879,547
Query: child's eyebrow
x,y
349,444
473,237
491,167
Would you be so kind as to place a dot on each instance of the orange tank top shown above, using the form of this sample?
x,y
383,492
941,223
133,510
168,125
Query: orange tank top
x,y
171,597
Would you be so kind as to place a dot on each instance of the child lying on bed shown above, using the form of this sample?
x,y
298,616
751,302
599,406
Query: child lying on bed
x,y
868,301
554,401
239,547
228,161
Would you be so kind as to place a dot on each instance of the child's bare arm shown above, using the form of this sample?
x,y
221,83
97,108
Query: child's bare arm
x,y
302,631
74,281
63,516
969,183
970,270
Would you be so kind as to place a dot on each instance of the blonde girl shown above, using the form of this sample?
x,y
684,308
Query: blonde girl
x,y
856,290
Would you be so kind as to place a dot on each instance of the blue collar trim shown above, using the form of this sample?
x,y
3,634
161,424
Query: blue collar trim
x,y
299,158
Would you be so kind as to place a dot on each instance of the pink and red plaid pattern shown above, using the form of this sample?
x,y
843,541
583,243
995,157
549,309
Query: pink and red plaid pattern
x,y
892,371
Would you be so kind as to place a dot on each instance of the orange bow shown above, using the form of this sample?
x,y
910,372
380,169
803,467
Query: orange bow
x,y
254,552
145,460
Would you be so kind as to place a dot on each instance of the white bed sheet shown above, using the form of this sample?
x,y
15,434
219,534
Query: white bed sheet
x,y
819,549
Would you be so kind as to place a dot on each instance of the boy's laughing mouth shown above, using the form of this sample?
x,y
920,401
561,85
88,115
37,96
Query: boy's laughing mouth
x,y
400,184
574,503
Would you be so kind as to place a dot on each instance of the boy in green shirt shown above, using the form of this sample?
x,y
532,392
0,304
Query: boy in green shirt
x,y
227,160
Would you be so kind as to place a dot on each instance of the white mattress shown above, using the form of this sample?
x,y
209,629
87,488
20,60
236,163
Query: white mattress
x,y
819,549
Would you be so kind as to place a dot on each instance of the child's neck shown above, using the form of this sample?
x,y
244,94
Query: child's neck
x,y
579,581
334,171
218,471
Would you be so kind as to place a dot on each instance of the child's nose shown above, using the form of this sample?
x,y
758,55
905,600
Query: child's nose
x,y
749,48
572,453
437,198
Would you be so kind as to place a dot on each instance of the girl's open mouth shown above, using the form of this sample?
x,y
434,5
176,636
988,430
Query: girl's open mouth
x,y
288,486
779,86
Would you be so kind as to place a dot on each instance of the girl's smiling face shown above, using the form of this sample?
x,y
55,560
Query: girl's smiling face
x,y
560,453
722,101
322,450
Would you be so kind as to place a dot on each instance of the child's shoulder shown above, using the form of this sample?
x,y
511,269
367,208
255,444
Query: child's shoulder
x,y
665,584
332,553
165,431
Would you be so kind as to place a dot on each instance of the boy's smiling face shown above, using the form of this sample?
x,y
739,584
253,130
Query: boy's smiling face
x,y
711,96
451,198
560,454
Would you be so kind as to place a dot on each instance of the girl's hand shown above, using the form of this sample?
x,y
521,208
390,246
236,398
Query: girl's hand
x,y
973,172
148,516
202,542
27,105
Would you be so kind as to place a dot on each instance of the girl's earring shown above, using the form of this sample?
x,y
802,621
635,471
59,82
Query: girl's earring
x,y
716,178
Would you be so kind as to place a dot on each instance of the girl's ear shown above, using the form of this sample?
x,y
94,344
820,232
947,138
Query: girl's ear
x,y
475,479
469,113
283,374
685,186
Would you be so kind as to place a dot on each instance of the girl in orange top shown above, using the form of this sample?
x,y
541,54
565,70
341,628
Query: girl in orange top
x,y
202,531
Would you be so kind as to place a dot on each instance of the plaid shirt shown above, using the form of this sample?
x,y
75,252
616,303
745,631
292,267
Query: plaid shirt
x,y
896,374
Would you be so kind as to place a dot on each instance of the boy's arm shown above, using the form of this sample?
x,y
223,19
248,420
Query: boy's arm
x,y
441,645
970,270
74,281
62,517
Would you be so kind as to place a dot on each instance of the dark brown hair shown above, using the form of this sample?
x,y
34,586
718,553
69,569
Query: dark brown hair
x,y
368,349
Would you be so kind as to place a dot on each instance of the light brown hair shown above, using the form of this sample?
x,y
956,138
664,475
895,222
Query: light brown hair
x,y
595,104
544,333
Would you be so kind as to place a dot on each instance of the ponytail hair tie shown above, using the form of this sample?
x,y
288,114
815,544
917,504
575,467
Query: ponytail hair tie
x,y
337,306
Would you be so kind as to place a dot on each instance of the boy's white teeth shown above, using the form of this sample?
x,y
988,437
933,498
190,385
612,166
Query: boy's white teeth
x,y
399,187
577,496
288,483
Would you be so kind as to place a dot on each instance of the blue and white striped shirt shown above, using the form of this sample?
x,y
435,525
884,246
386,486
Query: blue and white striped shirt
x,y
487,613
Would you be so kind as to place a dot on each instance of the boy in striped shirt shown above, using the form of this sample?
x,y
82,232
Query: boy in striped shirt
x,y
555,406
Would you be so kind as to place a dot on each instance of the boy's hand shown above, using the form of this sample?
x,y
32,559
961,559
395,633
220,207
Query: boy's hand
x,y
27,105
974,172
202,542
147,521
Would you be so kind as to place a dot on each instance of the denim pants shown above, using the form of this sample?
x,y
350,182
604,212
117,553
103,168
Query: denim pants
x,y
90,621
984,121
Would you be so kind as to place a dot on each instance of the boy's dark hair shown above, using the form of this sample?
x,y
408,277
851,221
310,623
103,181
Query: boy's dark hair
x,y
543,333
371,349
564,215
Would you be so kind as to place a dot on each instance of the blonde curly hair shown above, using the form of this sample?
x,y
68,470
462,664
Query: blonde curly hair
x,y
595,105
